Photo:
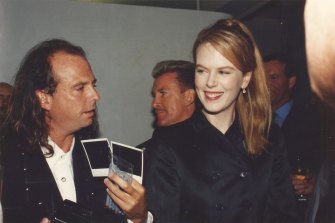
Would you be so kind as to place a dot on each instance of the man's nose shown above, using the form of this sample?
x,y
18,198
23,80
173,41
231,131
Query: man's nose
x,y
155,102
95,94
4,101
269,82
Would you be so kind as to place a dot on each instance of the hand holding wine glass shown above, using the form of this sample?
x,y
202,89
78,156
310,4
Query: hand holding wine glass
x,y
302,179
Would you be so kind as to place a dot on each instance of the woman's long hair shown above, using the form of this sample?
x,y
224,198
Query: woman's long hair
x,y
234,41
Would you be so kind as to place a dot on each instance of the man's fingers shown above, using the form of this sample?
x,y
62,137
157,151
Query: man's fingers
x,y
45,220
130,198
138,187
121,183
119,194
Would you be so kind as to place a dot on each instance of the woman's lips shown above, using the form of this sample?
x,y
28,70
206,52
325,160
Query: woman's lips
x,y
213,95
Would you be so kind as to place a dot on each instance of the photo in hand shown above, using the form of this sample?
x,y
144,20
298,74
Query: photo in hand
x,y
99,153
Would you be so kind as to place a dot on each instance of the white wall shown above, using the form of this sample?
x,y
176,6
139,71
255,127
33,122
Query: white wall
x,y
123,44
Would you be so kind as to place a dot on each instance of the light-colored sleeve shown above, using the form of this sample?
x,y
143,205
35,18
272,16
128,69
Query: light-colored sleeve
x,y
1,213
150,219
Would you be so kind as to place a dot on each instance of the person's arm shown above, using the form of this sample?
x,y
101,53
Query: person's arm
x,y
281,204
129,197
163,184
12,197
1,220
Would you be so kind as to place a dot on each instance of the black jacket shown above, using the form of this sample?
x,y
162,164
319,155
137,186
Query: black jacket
x,y
30,191
321,207
302,132
197,174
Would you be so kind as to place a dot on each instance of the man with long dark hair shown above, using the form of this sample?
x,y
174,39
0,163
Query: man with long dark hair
x,y
5,93
52,108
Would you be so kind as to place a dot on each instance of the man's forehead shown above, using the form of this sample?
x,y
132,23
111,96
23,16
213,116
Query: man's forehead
x,y
68,67
5,90
63,59
166,79
275,65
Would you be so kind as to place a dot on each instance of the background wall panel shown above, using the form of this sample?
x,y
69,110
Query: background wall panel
x,y
123,44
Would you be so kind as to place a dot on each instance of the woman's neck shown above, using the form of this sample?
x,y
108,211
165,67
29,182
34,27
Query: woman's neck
x,y
222,121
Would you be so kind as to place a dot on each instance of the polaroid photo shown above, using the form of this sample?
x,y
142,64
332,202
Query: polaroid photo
x,y
132,155
98,152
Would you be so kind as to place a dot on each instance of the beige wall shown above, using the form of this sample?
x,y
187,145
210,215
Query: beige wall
x,y
123,44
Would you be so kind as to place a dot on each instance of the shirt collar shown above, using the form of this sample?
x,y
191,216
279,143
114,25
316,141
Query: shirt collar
x,y
234,132
58,152
283,110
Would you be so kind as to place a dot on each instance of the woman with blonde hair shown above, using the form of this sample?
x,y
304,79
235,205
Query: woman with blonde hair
x,y
226,163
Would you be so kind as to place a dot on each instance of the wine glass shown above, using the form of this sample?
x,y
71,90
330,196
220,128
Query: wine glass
x,y
300,172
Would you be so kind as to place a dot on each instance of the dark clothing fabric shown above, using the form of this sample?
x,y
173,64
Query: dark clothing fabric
x,y
302,131
321,208
145,145
197,174
30,191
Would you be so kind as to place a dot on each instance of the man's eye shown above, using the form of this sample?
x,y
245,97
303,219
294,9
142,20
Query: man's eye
x,y
80,88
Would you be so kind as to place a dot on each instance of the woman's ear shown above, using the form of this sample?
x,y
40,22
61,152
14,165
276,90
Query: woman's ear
x,y
246,80
43,98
